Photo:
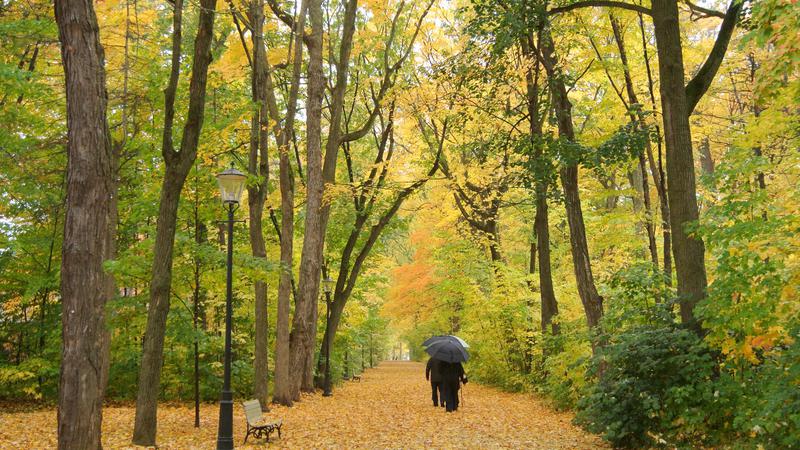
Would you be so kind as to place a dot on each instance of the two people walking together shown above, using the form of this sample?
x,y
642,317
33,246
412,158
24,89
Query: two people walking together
x,y
446,378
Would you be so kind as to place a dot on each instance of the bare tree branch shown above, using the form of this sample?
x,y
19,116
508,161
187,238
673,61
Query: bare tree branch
x,y
704,11
698,86
599,3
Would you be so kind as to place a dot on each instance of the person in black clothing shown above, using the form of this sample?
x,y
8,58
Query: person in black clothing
x,y
452,377
432,373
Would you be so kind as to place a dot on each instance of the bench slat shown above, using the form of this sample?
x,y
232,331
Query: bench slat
x,y
252,410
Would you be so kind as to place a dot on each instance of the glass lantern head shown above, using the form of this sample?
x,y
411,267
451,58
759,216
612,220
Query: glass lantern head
x,y
327,285
231,184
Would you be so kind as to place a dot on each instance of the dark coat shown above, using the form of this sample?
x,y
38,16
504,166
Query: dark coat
x,y
452,372
452,377
433,371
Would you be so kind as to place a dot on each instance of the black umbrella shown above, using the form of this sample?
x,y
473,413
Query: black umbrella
x,y
449,350
456,339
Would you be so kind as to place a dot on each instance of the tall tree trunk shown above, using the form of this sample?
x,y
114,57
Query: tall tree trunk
x,y
689,250
284,381
87,229
258,166
178,164
706,160
644,187
315,236
658,169
45,295
158,309
549,304
592,302
304,324
197,308
310,270
282,392
541,226
548,295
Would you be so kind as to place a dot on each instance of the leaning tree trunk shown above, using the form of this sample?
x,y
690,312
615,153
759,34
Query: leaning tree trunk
x,y
152,351
348,276
87,228
178,164
642,183
689,250
541,227
592,302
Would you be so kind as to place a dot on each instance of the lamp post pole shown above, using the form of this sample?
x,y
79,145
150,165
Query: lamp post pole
x,y
327,284
371,360
346,375
225,432
231,183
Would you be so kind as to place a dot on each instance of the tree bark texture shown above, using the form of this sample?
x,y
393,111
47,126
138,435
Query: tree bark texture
x,y
546,291
592,302
689,250
541,227
657,169
283,389
304,324
318,215
87,228
258,167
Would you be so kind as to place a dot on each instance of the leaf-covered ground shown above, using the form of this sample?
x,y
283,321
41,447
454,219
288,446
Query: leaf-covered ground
x,y
389,408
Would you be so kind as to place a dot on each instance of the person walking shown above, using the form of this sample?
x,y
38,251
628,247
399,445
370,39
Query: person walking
x,y
433,374
452,377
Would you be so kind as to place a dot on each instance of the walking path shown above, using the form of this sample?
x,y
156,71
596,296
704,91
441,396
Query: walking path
x,y
389,408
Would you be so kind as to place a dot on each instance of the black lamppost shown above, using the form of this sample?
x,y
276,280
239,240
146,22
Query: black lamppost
x,y
346,375
231,183
327,286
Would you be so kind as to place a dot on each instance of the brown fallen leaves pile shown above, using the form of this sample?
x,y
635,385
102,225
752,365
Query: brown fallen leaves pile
x,y
389,408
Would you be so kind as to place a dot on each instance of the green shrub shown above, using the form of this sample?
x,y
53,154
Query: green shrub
x,y
30,380
563,375
765,400
655,389
637,295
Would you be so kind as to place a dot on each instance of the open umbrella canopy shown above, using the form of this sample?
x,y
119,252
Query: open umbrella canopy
x,y
449,350
433,339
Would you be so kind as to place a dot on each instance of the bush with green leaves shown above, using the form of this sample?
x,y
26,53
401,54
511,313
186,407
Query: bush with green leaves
x,y
637,295
762,401
655,389
563,375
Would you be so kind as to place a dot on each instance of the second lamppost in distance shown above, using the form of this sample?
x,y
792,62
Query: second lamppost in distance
x,y
327,286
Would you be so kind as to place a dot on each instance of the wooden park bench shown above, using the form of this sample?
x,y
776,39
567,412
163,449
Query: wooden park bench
x,y
256,426
356,378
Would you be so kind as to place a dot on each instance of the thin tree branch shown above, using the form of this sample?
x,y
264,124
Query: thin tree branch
x,y
698,86
599,3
